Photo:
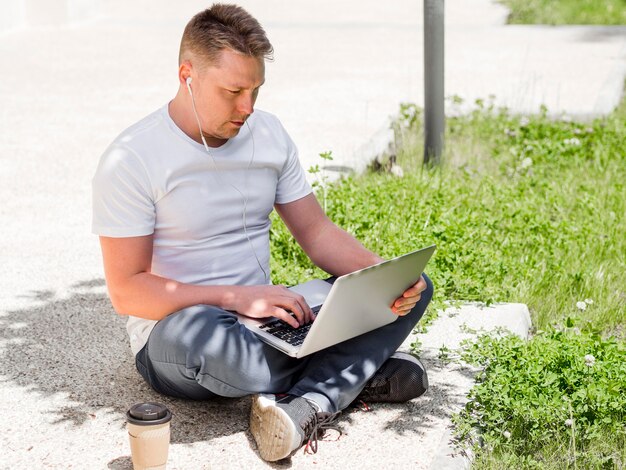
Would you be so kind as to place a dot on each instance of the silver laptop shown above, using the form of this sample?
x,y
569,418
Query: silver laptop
x,y
356,303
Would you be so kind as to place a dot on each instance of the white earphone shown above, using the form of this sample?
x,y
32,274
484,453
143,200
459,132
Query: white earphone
x,y
188,82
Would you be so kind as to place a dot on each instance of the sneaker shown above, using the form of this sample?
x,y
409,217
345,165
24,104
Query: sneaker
x,y
401,378
280,424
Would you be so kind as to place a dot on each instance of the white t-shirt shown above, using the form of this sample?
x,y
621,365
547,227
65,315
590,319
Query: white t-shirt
x,y
154,179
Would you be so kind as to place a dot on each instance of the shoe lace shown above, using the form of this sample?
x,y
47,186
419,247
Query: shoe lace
x,y
316,427
379,386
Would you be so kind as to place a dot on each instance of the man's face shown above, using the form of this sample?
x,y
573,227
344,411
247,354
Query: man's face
x,y
225,94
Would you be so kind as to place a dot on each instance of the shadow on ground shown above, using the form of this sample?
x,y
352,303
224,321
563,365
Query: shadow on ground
x,y
78,346
602,33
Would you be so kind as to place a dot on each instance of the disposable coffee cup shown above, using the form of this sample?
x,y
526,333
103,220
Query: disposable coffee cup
x,y
148,426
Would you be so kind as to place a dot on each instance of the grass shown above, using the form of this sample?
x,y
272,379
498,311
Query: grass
x,y
524,209
557,401
561,12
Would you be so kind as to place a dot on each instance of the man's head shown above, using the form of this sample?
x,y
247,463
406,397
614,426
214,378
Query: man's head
x,y
222,65
223,27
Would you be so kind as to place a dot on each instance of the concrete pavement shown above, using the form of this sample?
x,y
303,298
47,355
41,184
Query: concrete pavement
x,y
71,83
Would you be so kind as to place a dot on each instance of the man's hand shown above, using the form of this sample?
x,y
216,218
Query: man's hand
x,y
411,296
269,301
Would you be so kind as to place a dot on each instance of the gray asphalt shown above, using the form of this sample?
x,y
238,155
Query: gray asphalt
x,y
73,79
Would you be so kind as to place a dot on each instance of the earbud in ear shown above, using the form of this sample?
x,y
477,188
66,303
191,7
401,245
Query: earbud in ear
x,y
188,82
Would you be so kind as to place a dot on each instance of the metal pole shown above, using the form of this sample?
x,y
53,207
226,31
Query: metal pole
x,y
434,117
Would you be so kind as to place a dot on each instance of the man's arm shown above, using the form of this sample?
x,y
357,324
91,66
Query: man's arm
x,y
134,290
329,247
332,248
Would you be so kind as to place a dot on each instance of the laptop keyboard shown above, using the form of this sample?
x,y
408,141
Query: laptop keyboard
x,y
286,332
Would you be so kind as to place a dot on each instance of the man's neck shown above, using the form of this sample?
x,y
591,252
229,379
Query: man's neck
x,y
182,114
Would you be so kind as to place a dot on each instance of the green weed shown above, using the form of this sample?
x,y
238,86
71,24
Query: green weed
x,y
556,401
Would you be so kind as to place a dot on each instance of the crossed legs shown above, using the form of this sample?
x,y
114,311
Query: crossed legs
x,y
202,351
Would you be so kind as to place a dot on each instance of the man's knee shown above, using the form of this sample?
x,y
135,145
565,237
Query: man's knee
x,y
187,328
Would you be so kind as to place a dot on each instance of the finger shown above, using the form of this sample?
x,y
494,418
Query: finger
x,y
404,307
404,302
411,291
416,289
401,311
398,311
298,307
296,313
307,314
296,304
285,316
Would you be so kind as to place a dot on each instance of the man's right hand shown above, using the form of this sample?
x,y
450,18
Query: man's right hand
x,y
269,301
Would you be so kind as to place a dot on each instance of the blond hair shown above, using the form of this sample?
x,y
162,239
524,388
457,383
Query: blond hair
x,y
222,27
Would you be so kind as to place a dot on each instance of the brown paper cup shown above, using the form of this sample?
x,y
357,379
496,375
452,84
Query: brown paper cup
x,y
148,426
149,446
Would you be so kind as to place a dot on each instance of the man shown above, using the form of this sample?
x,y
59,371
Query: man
x,y
181,204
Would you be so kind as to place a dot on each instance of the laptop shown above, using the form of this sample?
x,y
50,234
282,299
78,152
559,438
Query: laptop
x,y
354,304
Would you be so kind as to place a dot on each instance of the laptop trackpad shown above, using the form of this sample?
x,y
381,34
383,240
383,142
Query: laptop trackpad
x,y
314,291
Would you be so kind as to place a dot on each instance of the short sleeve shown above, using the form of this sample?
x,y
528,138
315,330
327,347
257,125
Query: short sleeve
x,y
122,201
292,182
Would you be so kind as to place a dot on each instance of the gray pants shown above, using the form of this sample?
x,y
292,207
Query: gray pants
x,y
202,352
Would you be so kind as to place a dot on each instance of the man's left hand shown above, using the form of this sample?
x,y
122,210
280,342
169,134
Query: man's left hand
x,y
409,298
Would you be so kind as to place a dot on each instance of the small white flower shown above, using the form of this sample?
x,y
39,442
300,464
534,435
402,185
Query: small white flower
x,y
569,423
590,360
574,141
523,122
581,305
396,170
507,434
588,301
526,163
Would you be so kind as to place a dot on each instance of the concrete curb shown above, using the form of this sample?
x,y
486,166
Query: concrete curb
x,y
449,458
453,326
610,95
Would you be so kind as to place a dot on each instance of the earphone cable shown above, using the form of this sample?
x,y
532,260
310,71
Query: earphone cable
x,y
243,197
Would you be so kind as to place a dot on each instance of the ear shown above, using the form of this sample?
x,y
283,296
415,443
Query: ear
x,y
185,70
